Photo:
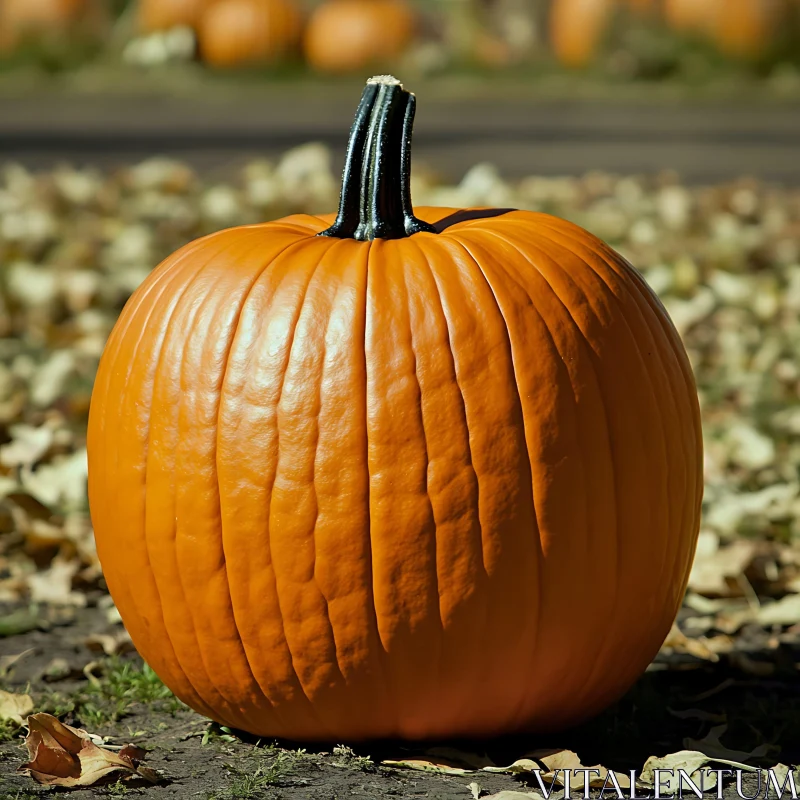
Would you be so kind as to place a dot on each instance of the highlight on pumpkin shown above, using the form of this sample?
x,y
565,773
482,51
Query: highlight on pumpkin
x,y
342,539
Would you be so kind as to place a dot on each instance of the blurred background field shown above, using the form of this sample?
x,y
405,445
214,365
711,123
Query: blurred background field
x,y
670,128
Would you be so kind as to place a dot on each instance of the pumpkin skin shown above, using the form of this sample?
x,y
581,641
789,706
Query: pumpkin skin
x,y
745,29
345,490
576,29
691,16
22,19
350,35
160,15
234,33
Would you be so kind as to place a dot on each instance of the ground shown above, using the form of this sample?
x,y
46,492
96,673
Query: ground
x,y
679,699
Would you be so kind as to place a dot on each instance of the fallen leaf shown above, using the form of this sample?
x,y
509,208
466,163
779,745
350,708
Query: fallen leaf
x,y
517,767
15,707
425,765
54,585
110,644
549,766
447,760
561,760
699,648
715,568
783,775
27,445
785,611
65,756
681,771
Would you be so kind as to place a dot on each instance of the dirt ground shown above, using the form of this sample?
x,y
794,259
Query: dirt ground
x,y
676,702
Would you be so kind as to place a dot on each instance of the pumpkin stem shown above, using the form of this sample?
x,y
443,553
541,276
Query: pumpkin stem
x,y
375,202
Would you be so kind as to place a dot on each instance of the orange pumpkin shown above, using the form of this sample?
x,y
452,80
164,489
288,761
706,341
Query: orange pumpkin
x,y
746,28
35,19
691,16
577,27
234,33
160,15
643,7
349,35
405,473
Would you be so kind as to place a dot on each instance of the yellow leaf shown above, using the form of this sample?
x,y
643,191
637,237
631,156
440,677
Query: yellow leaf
x,y
14,707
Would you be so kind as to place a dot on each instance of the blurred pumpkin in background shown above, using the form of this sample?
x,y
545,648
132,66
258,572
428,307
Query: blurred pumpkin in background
x,y
690,16
161,15
577,28
349,35
48,20
235,33
746,29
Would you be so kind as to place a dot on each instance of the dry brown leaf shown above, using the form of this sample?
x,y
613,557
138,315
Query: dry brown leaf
x,y
65,756
15,707
548,766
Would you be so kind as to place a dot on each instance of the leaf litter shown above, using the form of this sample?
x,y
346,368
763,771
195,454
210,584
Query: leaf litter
x,y
724,259
64,756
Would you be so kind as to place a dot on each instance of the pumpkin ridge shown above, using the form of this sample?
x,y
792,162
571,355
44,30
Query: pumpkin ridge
x,y
320,380
382,652
536,534
165,331
524,709
437,548
290,345
524,452
647,296
400,509
619,285
605,645
164,281
237,656
177,580
590,355
285,273
668,410
233,329
463,422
